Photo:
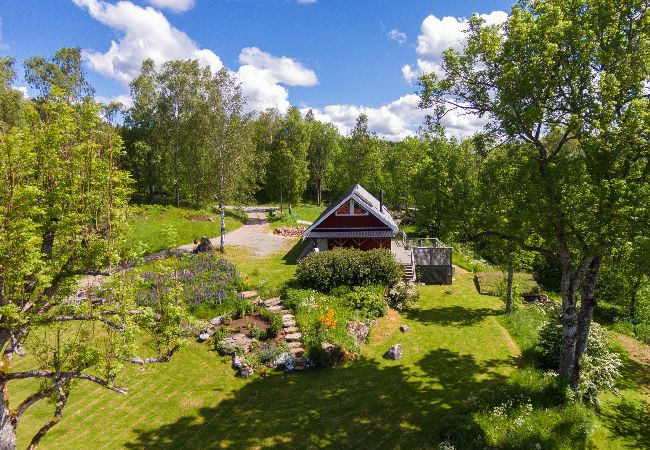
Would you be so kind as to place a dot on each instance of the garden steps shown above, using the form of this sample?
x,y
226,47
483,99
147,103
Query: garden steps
x,y
272,301
293,337
291,332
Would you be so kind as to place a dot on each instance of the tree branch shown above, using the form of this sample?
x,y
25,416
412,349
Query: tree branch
x,y
29,401
154,359
88,317
58,414
512,239
64,375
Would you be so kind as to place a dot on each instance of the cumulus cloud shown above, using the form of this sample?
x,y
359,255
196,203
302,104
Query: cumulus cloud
x,y
125,100
173,5
438,35
397,35
306,2
146,34
23,90
282,69
395,120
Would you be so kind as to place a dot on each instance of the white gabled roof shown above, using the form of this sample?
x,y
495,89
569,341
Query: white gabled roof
x,y
365,200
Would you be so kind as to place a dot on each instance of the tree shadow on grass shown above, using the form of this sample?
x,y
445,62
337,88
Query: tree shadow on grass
x,y
451,315
631,421
361,405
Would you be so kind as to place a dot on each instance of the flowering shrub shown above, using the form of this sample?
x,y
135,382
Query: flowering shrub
x,y
204,280
324,271
600,366
403,296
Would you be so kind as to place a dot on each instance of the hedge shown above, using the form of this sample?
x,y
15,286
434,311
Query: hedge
x,y
324,271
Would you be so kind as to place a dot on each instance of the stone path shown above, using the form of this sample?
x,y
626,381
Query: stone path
x,y
290,331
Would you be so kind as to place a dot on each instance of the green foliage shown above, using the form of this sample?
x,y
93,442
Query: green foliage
x,y
600,366
403,296
370,300
348,267
274,319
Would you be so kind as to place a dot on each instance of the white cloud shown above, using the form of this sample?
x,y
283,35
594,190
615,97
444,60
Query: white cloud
x,y
24,91
306,2
146,34
125,100
438,35
397,35
396,120
282,69
173,5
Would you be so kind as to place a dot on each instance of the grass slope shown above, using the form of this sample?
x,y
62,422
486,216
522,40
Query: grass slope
x,y
454,348
306,212
161,227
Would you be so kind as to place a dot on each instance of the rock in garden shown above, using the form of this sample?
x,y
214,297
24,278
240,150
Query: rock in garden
x,y
204,246
216,321
395,352
237,343
204,337
246,370
237,362
248,294
359,330
404,328
331,354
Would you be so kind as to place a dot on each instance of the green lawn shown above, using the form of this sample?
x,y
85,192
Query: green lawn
x,y
306,212
456,349
160,227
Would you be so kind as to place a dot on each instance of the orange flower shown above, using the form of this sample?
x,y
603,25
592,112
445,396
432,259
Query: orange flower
x,y
328,319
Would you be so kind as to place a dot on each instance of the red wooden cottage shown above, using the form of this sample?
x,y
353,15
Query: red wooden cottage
x,y
356,219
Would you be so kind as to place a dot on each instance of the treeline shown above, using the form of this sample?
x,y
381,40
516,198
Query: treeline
x,y
188,140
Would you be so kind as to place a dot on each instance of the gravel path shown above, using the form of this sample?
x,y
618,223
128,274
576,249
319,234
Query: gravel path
x,y
255,235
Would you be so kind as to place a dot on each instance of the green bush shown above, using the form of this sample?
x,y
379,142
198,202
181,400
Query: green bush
x,y
600,366
296,298
324,271
403,296
370,300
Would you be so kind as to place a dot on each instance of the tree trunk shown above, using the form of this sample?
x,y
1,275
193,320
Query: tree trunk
x,y
222,245
280,201
509,291
177,199
575,327
318,191
635,289
7,427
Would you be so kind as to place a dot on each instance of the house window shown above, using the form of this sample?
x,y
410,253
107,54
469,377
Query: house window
x,y
351,208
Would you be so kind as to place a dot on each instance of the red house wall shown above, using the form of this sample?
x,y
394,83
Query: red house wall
x,y
334,221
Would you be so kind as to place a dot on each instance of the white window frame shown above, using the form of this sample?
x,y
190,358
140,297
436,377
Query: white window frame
x,y
351,213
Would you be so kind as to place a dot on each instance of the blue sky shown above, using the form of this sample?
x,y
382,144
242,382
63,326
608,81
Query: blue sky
x,y
339,57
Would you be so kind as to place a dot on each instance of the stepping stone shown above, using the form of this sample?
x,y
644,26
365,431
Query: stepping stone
x,y
293,337
289,323
289,330
294,345
284,311
298,351
286,317
248,294
272,301
275,308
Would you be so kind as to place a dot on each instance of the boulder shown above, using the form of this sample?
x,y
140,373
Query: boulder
x,y
204,246
246,370
204,337
395,352
216,321
404,328
331,354
359,330
248,294
237,362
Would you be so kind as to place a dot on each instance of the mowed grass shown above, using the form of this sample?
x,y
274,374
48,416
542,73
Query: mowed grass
x,y
305,212
161,227
454,349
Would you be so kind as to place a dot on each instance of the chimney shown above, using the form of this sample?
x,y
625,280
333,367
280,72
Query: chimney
x,y
381,200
